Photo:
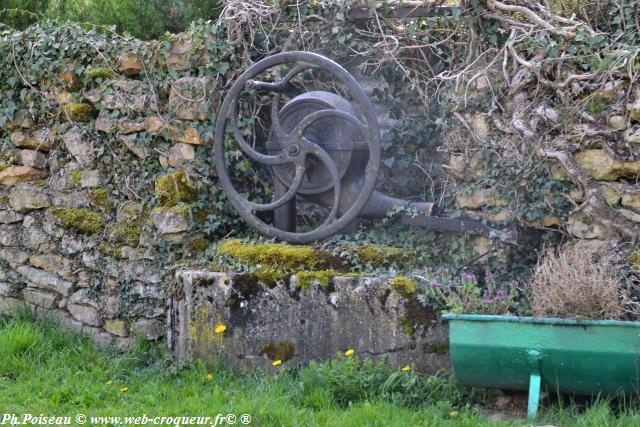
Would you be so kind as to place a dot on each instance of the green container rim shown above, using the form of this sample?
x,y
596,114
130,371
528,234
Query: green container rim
x,y
537,320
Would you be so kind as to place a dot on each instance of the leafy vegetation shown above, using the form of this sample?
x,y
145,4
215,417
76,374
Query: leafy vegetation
x,y
44,369
145,19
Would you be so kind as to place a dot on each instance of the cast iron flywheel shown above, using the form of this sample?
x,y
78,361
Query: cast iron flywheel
x,y
297,151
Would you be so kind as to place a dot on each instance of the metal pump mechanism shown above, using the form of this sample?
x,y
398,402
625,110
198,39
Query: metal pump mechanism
x,y
324,147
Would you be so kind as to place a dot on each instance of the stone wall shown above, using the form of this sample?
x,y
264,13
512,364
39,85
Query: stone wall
x,y
590,192
96,198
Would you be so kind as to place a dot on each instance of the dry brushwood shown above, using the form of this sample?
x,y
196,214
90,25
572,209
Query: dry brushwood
x,y
244,16
576,284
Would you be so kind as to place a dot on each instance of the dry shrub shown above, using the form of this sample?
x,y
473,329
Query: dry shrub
x,y
245,16
579,284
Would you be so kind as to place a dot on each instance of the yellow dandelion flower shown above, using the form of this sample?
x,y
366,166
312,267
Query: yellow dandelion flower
x,y
277,362
349,352
406,369
109,382
220,328
208,377
453,414
124,389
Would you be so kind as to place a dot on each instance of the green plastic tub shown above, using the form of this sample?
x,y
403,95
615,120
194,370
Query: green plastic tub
x,y
531,353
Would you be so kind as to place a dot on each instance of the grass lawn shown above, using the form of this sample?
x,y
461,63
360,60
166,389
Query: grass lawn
x,y
45,370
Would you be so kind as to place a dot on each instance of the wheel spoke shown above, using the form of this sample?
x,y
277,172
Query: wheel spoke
x,y
290,194
330,164
275,120
250,151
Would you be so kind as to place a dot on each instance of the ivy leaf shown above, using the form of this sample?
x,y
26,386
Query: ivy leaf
x,y
223,67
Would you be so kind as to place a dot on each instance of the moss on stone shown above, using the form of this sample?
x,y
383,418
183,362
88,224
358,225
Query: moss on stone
x,y
269,277
404,286
634,260
108,249
174,188
440,349
81,219
382,255
79,111
407,327
281,350
307,278
183,211
196,246
75,177
277,256
200,215
124,233
246,285
101,73
99,199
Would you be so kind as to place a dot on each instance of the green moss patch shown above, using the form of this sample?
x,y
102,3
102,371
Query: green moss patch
x,y
307,278
75,177
276,256
440,349
634,260
174,188
281,350
84,220
99,199
195,247
407,327
79,111
376,254
100,73
109,249
269,277
127,234
404,286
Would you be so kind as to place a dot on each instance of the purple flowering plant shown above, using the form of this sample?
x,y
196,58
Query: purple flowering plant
x,y
464,292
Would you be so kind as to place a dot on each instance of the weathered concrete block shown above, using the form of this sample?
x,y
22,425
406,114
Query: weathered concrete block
x,y
263,323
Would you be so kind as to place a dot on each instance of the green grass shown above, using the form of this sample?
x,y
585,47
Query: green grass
x,y
45,370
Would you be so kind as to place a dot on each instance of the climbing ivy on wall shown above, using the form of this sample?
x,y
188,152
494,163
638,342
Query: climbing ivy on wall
x,y
421,69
